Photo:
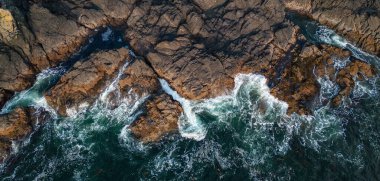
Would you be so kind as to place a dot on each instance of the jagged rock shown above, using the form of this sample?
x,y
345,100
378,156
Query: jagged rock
x,y
50,31
13,126
139,78
16,75
299,87
160,119
86,80
360,23
84,83
4,96
345,78
200,57
58,35
7,25
209,4
16,126
198,46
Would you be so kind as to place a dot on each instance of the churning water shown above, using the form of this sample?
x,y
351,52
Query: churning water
x,y
243,135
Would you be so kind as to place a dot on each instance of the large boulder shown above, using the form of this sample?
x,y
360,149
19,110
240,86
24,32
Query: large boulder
x,y
13,127
86,80
160,119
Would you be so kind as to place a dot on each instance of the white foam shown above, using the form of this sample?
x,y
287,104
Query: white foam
x,y
328,36
328,90
189,125
107,34
114,85
33,96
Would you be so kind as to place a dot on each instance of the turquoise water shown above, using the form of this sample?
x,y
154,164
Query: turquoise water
x,y
244,135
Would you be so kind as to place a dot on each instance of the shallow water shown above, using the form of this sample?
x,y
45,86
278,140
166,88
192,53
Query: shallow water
x,y
244,135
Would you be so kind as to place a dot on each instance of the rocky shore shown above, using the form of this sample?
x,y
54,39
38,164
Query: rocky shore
x,y
197,46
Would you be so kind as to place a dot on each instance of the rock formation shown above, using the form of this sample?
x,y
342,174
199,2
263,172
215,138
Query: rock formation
x,y
198,46
13,127
160,119
7,25
86,80
358,21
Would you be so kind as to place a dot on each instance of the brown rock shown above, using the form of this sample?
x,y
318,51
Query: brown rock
x,y
86,80
345,78
4,97
209,4
7,25
58,35
139,78
15,74
200,57
360,23
298,85
13,127
161,119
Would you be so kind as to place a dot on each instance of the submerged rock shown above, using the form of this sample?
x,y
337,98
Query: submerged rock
x,y
160,119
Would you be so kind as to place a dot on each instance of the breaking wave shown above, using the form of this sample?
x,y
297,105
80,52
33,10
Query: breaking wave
x,y
245,134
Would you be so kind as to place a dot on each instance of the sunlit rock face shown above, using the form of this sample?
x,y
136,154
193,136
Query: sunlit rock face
x,y
86,80
7,25
360,25
178,59
161,119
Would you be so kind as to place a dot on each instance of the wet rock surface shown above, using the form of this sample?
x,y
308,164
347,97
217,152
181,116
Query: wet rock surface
x,y
13,127
4,96
198,46
86,80
160,119
199,53
358,21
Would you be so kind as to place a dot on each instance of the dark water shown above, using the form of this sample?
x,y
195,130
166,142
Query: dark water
x,y
238,140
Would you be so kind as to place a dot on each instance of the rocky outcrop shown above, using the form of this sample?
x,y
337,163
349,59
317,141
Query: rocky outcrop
x,y
45,33
207,4
198,52
360,23
160,119
13,127
345,78
138,78
16,126
15,74
7,25
4,96
198,46
298,85
86,80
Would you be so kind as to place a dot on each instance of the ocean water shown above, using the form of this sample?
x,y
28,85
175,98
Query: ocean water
x,y
243,135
